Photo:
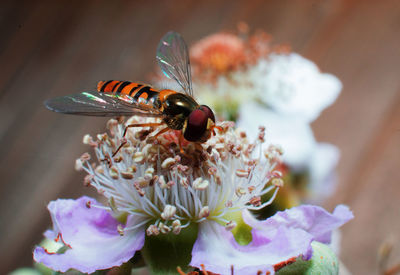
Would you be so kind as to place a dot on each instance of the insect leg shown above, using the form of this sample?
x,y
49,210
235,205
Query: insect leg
x,y
166,129
107,160
124,141
216,127
142,125
180,143
119,147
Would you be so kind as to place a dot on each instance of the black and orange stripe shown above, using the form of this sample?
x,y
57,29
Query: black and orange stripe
x,y
141,94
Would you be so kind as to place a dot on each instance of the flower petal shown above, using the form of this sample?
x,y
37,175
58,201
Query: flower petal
x,y
322,170
293,85
217,249
293,134
92,237
286,235
313,219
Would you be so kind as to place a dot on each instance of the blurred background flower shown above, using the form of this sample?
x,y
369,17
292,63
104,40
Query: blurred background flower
x,y
246,79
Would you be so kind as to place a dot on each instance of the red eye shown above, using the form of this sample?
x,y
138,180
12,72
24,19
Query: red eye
x,y
208,111
196,125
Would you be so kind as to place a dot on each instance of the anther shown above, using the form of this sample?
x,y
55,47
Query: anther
x,y
251,188
148,174
204,212
152,230
87,180
118,159
112,125
255,201
184,182
183,168
120,230
114,172
230,225
138,189
127,174
99,169
200,184
87,139
78,165
85,157
161,181
242,173
164,228
212,171
169,212
278,182
276,174
138,157
240,191
176,227
142,182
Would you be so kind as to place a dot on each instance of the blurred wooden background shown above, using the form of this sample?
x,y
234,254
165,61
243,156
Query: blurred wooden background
x,y
50,48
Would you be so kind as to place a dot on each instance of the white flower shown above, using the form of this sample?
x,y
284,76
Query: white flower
x,y
301,151
293,85
156,187
152,179
294,135
322,172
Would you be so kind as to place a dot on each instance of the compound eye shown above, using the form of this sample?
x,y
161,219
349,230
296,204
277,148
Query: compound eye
x,y
208,111
196,125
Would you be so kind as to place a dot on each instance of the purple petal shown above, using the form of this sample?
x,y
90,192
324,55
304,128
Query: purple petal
x,y
217,249
92,235
286,235
313,219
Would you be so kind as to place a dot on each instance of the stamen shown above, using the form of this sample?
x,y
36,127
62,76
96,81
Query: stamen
x,y
204,212
200,184
157,181
167,163
176,227
169,212
152,230
164,228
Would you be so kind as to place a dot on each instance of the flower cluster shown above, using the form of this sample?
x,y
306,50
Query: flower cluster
x,y
271,86
156,189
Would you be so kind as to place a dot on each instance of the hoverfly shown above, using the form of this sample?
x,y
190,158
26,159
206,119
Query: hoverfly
x,y
178,111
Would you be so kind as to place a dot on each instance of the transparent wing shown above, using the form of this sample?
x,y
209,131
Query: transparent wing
x,y
99,104
173,59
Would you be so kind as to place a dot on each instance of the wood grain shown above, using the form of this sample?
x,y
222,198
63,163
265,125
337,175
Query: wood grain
x,y
50,48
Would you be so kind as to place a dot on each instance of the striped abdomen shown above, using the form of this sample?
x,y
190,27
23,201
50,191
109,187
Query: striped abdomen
x,y
140,93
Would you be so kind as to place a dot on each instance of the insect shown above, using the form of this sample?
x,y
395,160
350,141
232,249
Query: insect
x,y
178,111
